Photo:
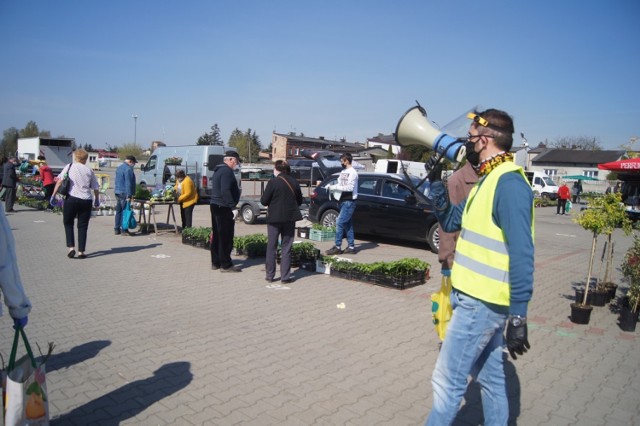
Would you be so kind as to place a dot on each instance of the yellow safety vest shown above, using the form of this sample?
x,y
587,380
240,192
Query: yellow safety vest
x,y
481,263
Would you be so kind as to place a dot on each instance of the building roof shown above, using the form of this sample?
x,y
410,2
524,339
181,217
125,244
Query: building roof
x,y
577,157
385,139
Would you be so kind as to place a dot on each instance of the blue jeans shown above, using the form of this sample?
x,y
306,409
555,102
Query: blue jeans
x,y
121,202
344,224
473,346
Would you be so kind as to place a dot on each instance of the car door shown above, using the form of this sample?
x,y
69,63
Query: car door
x,y
367,209
401,215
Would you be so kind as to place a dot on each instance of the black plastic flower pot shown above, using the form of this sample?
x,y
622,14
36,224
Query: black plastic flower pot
x,y
628,319
580,296
600,298
580,314
611,291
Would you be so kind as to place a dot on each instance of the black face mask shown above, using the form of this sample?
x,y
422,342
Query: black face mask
x,y
473,157
344,165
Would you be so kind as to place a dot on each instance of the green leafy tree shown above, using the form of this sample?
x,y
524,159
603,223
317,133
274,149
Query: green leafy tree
x,y
130,149
9,144
247,144
31,130
211,138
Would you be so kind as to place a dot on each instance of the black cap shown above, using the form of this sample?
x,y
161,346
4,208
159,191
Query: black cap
x,y
233,154
131,158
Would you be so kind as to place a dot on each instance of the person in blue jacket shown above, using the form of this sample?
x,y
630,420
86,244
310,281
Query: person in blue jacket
x,y
225,195
125,189
492,274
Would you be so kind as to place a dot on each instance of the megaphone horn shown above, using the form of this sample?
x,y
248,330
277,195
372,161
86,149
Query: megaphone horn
x,y
415,129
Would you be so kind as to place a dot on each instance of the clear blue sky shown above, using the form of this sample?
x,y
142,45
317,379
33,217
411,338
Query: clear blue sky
x,y
332,68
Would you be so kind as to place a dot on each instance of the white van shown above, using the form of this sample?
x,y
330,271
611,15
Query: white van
x,y
542,183
198,162
412,168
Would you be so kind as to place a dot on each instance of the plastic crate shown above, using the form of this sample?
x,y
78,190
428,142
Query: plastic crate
x,y
304,232
320,235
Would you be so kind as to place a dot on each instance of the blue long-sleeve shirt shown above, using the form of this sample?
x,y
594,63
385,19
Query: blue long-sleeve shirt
x,y
511,213
125,180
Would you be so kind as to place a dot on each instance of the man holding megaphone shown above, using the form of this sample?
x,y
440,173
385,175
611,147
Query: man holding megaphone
x,y
492,274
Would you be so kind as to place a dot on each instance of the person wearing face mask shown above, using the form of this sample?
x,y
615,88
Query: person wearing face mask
x,y
348,186
492,273
225,195
187,199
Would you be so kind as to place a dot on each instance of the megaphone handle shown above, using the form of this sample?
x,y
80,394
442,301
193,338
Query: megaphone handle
x,y
432,164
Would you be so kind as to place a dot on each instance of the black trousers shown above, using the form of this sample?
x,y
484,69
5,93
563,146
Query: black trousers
x,y
223,231
186,215
274,230
48,192
76,207
562,205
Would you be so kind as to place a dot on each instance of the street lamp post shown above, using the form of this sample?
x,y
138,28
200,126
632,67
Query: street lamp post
x,y
135,128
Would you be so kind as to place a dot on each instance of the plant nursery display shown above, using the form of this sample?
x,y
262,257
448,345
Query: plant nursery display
x,y
602,216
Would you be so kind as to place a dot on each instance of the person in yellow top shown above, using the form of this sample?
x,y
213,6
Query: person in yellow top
x,y
187,199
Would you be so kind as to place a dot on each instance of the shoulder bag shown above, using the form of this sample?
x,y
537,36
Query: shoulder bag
x,y
65,186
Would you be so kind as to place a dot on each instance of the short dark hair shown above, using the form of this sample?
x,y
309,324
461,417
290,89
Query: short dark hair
x,y
180,174
41,157
500,127
347,156
282,166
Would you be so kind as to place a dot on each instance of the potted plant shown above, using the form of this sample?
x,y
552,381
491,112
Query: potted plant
x,y
620,219
602,216
631,271
322,233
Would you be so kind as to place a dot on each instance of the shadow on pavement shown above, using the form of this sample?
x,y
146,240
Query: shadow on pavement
x,y
76,355
131,399
471,413
117,250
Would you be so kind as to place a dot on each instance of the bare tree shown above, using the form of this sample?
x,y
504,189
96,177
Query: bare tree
x,y
581,143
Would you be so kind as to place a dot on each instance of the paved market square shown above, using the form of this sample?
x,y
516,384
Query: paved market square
x,y
147,334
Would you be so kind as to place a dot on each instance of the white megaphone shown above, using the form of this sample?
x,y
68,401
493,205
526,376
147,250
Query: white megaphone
x,y
414,129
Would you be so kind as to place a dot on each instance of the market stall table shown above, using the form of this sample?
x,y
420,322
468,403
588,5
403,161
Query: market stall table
x,y
143,219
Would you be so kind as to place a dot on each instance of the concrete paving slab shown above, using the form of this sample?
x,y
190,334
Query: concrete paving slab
x,y
146,333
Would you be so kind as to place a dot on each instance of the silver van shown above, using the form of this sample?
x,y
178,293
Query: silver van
x,y
197,161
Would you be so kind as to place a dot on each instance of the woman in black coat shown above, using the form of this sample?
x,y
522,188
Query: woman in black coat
x,y
283,197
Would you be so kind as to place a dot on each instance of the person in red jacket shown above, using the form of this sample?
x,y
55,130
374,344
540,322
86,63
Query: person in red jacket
x,y
563,195
48,183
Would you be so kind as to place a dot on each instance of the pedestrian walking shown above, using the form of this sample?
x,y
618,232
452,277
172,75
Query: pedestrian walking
x,y
48,182
492,273
77,205
563,196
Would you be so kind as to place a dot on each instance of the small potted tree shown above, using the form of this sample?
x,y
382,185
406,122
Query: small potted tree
x,y
602,216
631,271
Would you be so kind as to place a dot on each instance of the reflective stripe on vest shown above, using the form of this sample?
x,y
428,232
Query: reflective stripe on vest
x,y
481,264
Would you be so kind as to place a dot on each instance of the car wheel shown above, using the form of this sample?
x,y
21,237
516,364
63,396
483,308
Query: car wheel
x,y
545,195
248,216
329,218
433,238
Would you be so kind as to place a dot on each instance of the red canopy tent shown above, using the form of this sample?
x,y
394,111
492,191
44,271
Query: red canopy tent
x,y
622,166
